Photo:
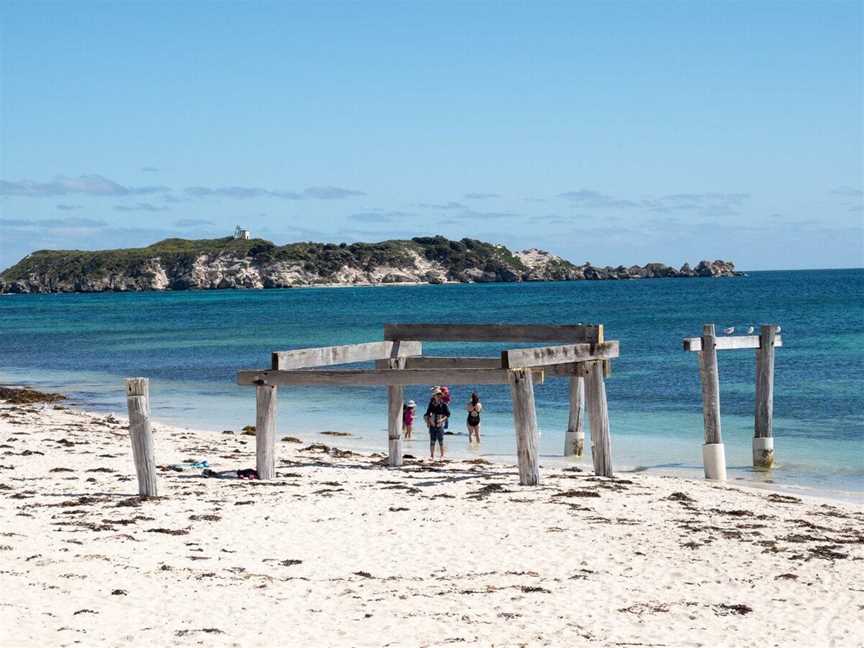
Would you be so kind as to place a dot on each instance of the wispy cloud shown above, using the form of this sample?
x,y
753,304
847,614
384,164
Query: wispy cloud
x,y
145,207
381,216
849,192
480,196
63,207
150,169
53,223
192,222
245,193
92,185
706,204
447,205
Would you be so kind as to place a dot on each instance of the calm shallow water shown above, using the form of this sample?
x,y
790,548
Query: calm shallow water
x,y
191,343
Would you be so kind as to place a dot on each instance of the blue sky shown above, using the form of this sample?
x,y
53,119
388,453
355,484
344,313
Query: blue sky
x,y
619,132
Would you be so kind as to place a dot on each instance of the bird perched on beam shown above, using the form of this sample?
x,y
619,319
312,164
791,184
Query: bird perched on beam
x,y
750,330
729,331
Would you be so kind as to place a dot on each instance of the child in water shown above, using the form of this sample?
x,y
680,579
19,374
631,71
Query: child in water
x,y
408,418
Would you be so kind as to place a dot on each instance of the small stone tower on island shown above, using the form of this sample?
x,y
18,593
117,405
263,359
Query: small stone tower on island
x,y
240,233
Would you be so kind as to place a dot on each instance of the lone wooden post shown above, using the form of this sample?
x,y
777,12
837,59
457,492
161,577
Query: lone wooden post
x,y
574,438
525,422
265,431
395,397
598,419
713,452
763,436
141,434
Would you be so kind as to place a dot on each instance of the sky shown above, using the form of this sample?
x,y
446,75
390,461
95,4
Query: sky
x,y
610,132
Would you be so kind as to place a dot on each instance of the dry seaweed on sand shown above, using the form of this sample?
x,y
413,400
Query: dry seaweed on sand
x,y
27,396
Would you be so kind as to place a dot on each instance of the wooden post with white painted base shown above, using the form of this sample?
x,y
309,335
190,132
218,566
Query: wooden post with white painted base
x,y
141,434
395,398
574,438
265,431
713,452
763,436
598,420
525,422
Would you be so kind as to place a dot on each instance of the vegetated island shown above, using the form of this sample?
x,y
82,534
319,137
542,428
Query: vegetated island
x,y
181,264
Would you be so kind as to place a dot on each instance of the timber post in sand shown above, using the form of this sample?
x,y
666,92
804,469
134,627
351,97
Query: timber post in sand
x,y
525,422
763,435
713,454
141,434
265,431
580,352
574,438
598,420
395,399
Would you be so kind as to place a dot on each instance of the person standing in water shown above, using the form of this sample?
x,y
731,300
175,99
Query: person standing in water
x,y
436,417
408,419
474,407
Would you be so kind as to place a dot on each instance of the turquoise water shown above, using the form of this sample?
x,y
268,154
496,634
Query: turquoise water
x,y
190,344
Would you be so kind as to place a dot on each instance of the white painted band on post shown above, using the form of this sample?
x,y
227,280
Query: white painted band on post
x,y
714,460
763,443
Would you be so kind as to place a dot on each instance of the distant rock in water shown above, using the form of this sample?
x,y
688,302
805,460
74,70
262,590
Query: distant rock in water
x,y
180,264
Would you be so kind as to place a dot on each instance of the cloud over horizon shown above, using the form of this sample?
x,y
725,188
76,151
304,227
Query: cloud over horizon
x,y
92,184
244,193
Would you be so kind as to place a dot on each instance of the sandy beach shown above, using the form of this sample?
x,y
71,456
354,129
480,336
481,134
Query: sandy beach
x,y
340,550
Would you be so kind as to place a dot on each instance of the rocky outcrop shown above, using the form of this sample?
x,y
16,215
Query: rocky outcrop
x,y
177,264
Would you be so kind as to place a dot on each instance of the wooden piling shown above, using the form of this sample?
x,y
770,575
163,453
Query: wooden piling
x,y
265,431
574,438
763,436
141,434
395,399
598,419
713,453
525,422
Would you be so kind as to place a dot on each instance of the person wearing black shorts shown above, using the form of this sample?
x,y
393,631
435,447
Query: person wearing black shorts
x,y
436,416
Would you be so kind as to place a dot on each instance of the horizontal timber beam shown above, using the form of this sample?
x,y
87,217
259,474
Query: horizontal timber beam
x,y
367,377
443,362
347,353
731,342
495,332
553,355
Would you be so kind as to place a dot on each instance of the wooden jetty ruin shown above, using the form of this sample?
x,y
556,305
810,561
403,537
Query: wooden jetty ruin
x,y
581,354
713,453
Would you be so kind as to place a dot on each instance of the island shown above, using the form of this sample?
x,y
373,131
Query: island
x,y
241,262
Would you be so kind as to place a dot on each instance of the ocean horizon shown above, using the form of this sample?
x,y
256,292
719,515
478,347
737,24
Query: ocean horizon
x,y
190,345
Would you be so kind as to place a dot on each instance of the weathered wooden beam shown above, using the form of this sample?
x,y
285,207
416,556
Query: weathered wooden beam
x,y
443,362
141,435
265,431
763,436
730,342
525,423
574,438
553,355
598,419
395,396
713,452
495,332
344,354
361,377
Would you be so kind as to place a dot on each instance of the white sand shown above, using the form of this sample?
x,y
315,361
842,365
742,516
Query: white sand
x,y
342,551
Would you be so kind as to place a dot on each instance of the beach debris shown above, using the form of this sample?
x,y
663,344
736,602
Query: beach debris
x,y
678,496
84,611
248,430
27,396
396,509
175,532
724,609
119,592
783,499
530,589
577,493
486,490
363,574
336,434
183,633
206,517
826,552
642,608
291,439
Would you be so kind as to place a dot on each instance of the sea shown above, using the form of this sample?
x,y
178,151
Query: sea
x,y
191,344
